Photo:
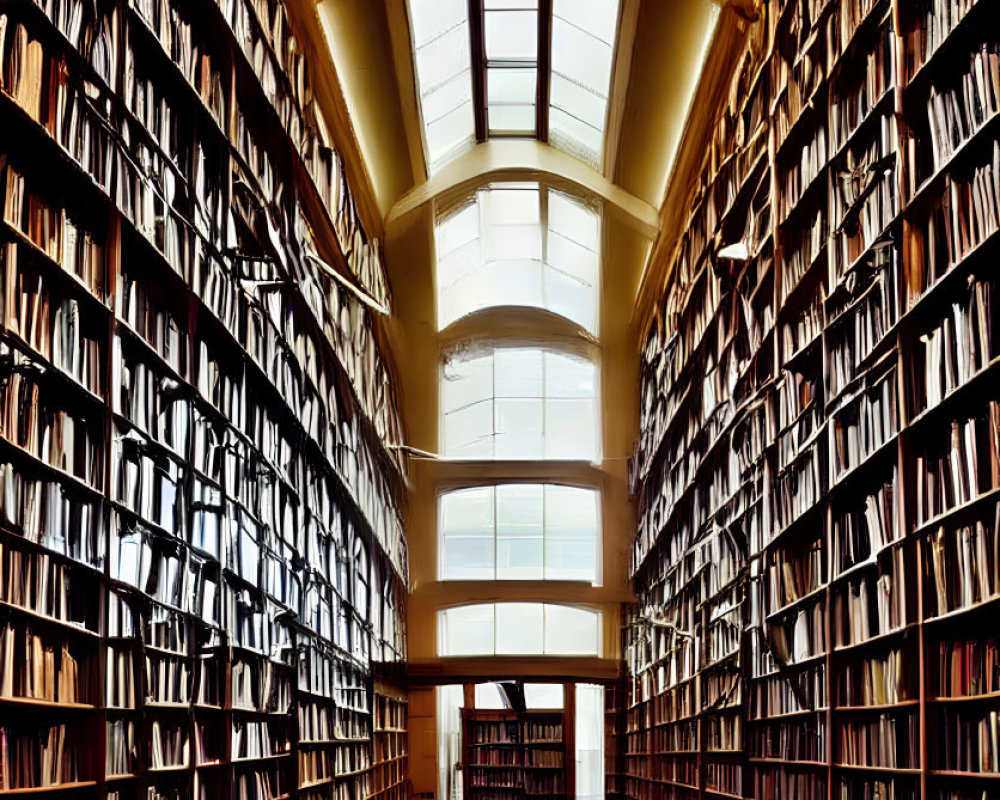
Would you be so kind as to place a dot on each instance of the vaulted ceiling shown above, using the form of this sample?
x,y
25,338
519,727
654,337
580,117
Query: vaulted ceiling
x,y
655,60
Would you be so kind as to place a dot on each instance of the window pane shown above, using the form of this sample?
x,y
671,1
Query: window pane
x,y
583,35
518,373
519,559
512,242
431,18
491,4
537,531
570,298
443,58
457,230
532,418
574,220
570,429
450,132
458,264
511,86
518,427
572,258
599,18
468,558
467,631
519,532
511,35
509,206
566,376
520,509
467,381
468,528
575,137
543,695
587,106
446,98
442,63
581,57
571,537
519,628
514,249
512,119
514,283
571,631
469,431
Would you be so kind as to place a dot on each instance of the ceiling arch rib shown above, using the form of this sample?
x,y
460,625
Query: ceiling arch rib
x,y
499,160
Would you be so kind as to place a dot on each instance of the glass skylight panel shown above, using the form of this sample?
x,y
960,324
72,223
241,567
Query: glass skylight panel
x,y
583,35
511,31
444,76
511,46
519,629
519,245
520,531
494,407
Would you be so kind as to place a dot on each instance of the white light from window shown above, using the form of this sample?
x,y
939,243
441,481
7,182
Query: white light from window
x,y
519,245
583,37
520,629
440,30
519,403
520,531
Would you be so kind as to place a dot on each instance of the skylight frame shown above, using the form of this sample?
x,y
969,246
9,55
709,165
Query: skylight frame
x,y
578,136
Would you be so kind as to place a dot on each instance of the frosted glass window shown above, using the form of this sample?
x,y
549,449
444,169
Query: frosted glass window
x,y
520,531
443,65
467,630
519,244
519,403
518,629
583,36
512,33
570,631
543,695
468,551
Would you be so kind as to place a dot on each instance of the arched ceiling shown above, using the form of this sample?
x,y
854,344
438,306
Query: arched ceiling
x,y
659,56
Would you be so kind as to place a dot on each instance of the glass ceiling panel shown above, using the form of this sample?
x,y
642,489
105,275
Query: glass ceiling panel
x,y
583,35
511,85
443,64
512,35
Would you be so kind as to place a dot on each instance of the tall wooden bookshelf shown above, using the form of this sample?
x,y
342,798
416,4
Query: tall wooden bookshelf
x,y
818,467
201,548
511,755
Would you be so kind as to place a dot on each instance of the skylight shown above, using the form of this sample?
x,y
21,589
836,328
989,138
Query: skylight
x,y
583,36
523,68
440,31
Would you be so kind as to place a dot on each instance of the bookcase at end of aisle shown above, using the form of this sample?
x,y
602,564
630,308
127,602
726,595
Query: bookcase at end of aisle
x,y
818,467
201,552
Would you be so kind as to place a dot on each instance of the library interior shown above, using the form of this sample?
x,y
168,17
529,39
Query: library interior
x,y
499,400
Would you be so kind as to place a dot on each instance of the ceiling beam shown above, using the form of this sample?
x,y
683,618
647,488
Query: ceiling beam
x,y
518,159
